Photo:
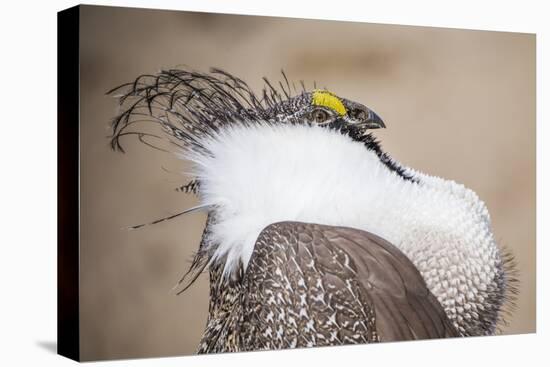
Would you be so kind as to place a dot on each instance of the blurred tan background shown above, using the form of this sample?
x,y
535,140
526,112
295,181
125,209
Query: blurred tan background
x,y
458,104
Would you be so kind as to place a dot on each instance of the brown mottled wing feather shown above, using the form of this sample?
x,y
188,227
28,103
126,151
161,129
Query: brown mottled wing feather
x,y
313,285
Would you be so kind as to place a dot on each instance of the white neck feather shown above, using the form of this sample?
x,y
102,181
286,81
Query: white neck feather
x,y
259,175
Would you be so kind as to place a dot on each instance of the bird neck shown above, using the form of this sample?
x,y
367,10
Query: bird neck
x,y
256,175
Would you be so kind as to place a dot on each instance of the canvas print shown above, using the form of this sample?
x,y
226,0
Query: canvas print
x,y
256,183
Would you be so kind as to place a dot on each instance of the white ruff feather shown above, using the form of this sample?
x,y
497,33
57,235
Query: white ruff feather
x,y
265,174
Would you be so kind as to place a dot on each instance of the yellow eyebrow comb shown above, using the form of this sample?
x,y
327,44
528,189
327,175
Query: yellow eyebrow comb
x,y
328,99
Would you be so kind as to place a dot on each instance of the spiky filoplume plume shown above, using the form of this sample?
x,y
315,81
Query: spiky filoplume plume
x,y
314,235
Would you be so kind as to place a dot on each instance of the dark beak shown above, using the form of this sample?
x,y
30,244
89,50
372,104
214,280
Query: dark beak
x,y
364,119
373,121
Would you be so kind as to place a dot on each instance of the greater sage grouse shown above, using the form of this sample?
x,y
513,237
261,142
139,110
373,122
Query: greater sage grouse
x,y
314,235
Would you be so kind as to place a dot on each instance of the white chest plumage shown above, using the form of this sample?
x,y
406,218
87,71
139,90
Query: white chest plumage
x,y
258,175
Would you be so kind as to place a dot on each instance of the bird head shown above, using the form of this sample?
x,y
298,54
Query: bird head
x,y
324,108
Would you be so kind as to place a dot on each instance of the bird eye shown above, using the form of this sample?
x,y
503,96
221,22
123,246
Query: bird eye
x,y
360,114
319,116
